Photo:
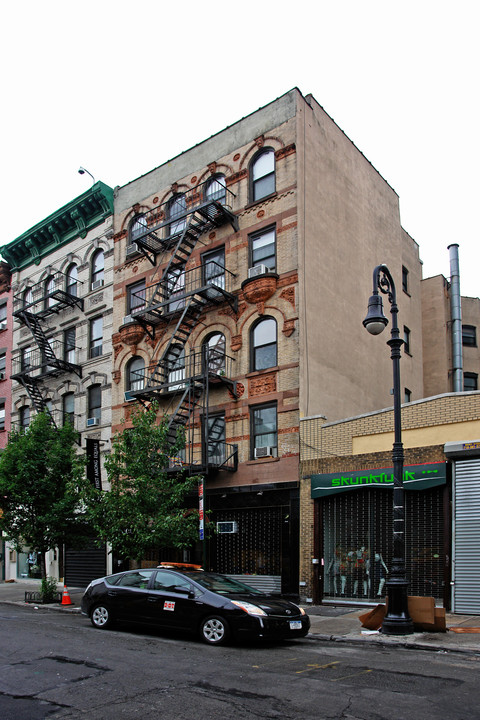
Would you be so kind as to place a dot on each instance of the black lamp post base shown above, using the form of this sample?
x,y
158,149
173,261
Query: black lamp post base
x,y
397,625
397,621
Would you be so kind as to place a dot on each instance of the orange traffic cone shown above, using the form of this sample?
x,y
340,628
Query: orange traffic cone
x,y
66,597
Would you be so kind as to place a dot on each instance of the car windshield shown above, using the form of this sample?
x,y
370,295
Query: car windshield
x,y
222,584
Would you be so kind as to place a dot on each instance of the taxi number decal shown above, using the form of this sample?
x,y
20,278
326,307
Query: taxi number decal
x,y
168,605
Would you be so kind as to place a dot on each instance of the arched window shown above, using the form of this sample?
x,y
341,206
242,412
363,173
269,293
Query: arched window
x,y
216,189
28,297
177,209
264,344
262,174
49,289
137,228
98,269
135,375
175,367
72,280
68,408
214,353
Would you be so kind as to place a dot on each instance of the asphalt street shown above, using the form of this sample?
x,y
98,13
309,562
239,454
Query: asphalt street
x,y
56,665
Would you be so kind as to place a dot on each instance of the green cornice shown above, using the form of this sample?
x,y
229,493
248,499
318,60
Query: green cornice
x,y
72,220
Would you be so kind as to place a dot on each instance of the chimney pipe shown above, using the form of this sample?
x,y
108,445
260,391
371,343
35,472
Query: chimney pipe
x,y
456,310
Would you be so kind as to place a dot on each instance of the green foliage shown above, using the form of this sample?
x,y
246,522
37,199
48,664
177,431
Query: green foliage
x,y
40,480
145,507
48,587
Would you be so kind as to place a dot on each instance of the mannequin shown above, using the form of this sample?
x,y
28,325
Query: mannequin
x,y
338,568
380,572
358,560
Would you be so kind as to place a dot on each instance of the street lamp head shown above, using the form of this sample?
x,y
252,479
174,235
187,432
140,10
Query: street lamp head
x,y
375,322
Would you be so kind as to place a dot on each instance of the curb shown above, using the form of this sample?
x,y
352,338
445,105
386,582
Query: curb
x,y
405,644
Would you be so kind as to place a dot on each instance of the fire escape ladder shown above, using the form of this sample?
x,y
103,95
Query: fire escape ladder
x,y
184,408
32,386
49,359
184,246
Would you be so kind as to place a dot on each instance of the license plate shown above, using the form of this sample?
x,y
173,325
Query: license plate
x,y
295,625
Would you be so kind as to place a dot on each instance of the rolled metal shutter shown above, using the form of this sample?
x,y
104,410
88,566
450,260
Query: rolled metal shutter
x,y
466,537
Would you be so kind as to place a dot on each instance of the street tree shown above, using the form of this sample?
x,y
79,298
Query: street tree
x,y
41,478
146,505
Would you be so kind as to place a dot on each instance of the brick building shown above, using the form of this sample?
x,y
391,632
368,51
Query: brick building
x,y
62,282
238,265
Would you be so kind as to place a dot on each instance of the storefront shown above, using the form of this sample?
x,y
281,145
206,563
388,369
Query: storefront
x,y
354,512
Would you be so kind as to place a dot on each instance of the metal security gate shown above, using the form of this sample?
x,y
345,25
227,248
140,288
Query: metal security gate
x,y
466,537
357,543
83,566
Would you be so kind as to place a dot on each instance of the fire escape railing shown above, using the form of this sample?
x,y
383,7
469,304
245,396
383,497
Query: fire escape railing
x,y
160,228
50,358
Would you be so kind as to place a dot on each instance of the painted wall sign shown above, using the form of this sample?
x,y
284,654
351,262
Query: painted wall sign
x,y
415,477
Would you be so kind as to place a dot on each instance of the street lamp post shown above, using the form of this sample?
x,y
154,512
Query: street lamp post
x,y
397,621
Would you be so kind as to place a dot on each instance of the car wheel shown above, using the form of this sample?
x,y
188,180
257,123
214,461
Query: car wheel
x,y
214,630
101,617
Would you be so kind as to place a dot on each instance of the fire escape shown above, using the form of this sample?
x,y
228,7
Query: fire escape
x,y
33,366
175,303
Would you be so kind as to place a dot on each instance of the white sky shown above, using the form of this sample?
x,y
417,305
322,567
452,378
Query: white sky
x,y
120,87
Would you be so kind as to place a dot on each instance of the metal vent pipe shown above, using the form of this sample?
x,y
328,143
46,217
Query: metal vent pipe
x,y
456,310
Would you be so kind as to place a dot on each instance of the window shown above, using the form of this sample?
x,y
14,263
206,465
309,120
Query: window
x,y
216,189
262,249
135,374
137,228
175,287
49,289
264,344
24,416
68,408
3,315
405,283
470,381
407,397
262,175
406,340
176,209
69,345
95,402
28,297
25,361
72,281
135,296
264,428
216,439
167,582
98,269
214,268
96,337
469,335
138,579
214,353
2,413
175,367
3,364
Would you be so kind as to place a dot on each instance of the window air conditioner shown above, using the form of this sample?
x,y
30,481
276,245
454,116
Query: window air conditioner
x,y
262,452
97,284
3,325
2,376
227,527
93,421
127,319
128,397
257,270
132,249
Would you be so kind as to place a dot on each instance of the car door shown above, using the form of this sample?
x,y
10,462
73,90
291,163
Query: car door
x,y
173,601
128,598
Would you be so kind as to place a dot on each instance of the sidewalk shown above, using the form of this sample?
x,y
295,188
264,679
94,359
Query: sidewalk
x,y
334,623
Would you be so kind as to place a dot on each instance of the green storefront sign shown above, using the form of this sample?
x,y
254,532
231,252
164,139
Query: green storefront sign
x,y
415,477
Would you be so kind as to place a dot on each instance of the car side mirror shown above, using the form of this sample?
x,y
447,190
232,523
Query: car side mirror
x,y
183,591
